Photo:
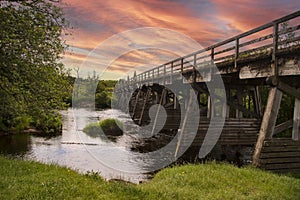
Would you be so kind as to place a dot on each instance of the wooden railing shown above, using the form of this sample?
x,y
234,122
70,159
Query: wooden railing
x,y
267,39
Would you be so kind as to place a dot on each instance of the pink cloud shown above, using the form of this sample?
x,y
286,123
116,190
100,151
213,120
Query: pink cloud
x,y
95,21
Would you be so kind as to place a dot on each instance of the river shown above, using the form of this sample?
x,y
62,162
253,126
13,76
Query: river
x,y
78,151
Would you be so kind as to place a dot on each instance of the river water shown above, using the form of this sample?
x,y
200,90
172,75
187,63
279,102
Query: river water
x,y
77,150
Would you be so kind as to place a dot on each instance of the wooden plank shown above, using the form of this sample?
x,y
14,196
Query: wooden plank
x,y
297,170
282,166
184,124
144,105
283,126
292,154
256,40
268,122
280,160
274,64
136,102
163,96
296,120
281,142
236,55
209,107
257,100
238,107
274,161
224,50
289,67
281,149
288,89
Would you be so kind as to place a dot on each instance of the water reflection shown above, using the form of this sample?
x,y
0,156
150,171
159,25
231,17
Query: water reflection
x,y
82,152
15,145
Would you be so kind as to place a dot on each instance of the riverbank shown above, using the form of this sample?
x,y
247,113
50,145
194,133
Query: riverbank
x,y
32,180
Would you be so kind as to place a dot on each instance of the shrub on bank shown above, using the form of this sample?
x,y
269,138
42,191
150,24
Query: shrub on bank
x,y
110,127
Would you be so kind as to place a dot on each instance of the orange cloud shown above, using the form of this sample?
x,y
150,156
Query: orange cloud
x,y
205,21
248,14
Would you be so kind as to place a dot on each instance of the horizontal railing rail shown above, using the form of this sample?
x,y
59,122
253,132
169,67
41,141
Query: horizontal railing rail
x,y
232,49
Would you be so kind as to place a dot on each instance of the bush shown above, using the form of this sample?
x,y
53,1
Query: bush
x,y
22,122
49,124
110,127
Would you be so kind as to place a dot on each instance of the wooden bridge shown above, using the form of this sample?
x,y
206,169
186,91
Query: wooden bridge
x,y
266,58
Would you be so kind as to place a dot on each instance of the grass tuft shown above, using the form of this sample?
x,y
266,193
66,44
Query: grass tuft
x,y
110,127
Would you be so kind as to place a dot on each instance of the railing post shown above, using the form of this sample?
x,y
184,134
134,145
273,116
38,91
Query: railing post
x,y
236,56
164,74
152,76
274,53
172,66
181,68
212,57
142,79
148,77
194,67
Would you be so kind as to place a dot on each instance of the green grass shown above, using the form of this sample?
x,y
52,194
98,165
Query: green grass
x,y
109,126
31,180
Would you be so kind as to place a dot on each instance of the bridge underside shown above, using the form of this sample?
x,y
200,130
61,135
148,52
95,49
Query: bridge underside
x,y
250,130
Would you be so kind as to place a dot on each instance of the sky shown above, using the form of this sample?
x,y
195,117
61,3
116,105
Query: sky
x,y
116,37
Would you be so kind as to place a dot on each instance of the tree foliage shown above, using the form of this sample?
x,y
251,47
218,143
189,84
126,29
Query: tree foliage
x,y
32,78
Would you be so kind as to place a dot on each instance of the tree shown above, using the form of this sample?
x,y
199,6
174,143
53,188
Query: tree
x,y
33,81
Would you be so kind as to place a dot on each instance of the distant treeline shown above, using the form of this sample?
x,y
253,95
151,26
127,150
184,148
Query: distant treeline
x,y
86,90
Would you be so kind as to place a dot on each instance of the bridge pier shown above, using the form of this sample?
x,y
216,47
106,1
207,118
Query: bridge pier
x,y
268,122
296,121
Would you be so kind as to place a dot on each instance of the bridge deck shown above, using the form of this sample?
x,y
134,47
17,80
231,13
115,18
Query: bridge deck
x,y
269,50
268,55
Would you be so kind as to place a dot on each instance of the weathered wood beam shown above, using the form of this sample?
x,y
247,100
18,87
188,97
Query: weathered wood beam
x,y
175,102
163,96
144,105
296,121
185,121
283,126
257,100
288,89
268,122
239,114
209,107
239,107
136,102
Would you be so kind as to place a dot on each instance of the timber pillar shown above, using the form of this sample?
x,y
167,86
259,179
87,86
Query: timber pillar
x,y
268,122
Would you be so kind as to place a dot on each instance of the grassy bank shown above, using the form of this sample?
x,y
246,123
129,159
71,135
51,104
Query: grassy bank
x,y
31,180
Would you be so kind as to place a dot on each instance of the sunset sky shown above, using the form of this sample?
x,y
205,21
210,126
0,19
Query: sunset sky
x,y
207,22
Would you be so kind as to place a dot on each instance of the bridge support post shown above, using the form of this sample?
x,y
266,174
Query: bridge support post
x,y
257,100
175,101
209,107
239,114
144,105
137,98
268,122
296,121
